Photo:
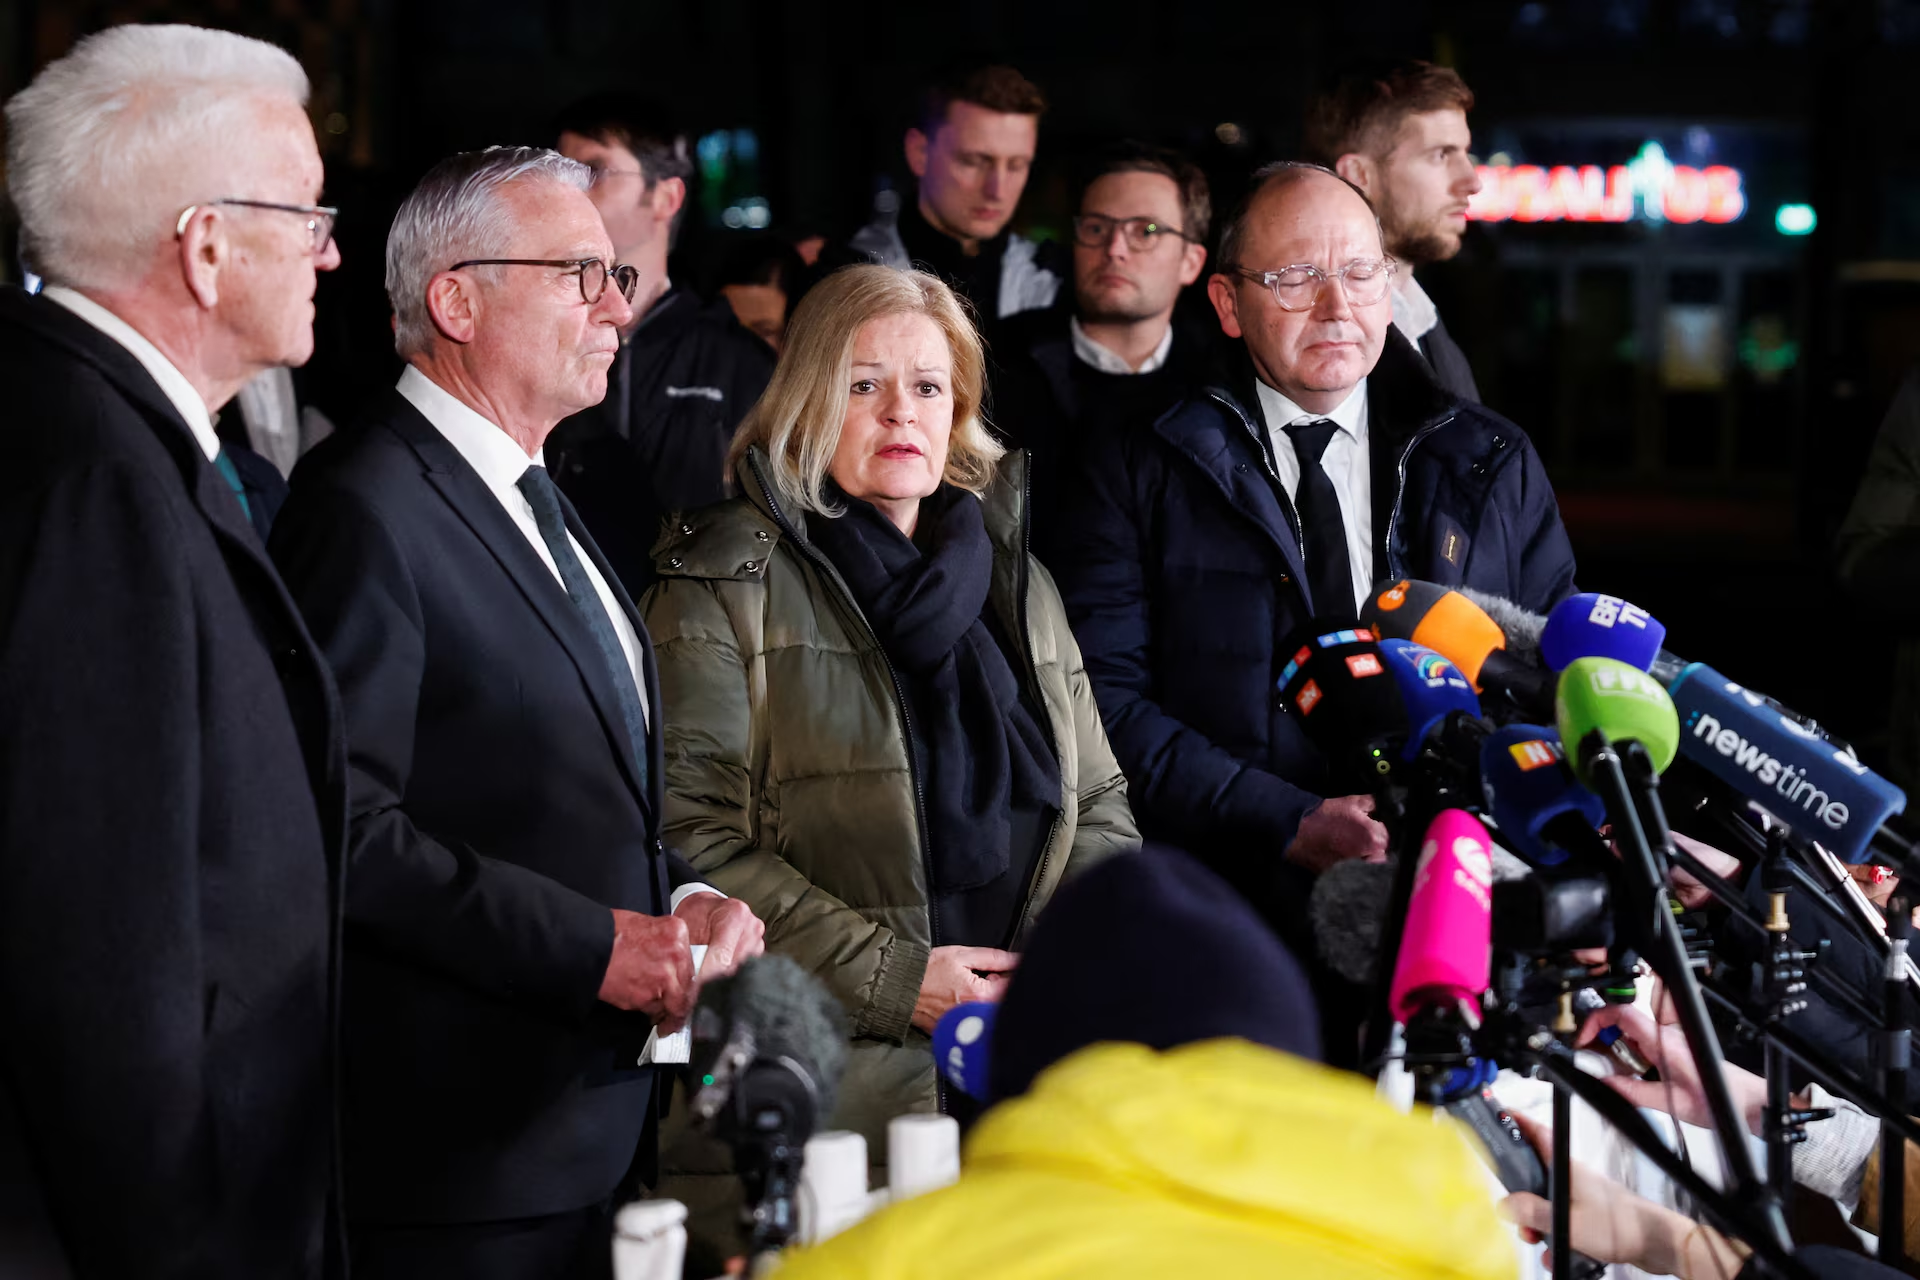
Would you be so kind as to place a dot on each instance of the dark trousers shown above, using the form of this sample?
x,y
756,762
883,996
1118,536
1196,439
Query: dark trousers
x,y
560,1246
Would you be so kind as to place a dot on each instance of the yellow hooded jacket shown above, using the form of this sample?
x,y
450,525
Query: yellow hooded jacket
x,y
1213,1160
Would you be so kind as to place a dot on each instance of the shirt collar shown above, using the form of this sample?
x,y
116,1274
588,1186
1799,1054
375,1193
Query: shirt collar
x,y
1413,310
1107,361
173,384
1349,415
487,449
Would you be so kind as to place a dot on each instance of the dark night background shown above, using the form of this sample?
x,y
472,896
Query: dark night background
x,y
1706,492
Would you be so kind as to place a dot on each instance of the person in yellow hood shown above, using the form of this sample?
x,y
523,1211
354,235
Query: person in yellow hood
x,y
1159,1114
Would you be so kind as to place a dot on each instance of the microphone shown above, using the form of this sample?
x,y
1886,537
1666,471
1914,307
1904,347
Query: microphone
x,y
1454,626
1595,626
1818,788
1337,683
1431,688
1542,811
1522,627
1445,956
1348,907
963,1045
769,1045
1624,702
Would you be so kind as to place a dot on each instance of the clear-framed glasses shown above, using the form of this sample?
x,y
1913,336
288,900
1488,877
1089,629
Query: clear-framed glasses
x,y
1095,231
320,218
1296,288
593,272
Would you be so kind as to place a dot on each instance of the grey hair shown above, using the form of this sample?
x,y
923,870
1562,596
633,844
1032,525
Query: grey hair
x,y
457,213
1279,175
110,143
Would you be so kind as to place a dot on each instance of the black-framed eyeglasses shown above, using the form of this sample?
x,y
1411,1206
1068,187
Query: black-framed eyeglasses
x,y
593,272
1095,231
1296,288
320,217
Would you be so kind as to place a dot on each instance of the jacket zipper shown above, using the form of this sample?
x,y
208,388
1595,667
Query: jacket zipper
x,y
899,692
1286,503
1399,482
1400,486
1024,589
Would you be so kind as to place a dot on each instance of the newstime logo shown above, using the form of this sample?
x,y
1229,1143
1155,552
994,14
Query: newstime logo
x,y
1784,780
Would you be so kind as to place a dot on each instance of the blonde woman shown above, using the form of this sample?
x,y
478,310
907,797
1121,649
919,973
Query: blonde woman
x,y
878,730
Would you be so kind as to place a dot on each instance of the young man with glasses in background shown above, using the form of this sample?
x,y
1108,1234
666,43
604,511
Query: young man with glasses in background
x,y
687,370
1119,357
1327,461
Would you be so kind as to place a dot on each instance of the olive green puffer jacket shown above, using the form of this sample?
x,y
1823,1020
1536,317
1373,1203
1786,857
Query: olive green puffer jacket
x,y
788,774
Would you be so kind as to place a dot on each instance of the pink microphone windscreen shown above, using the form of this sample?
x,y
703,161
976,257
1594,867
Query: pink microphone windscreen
x,y
1445,952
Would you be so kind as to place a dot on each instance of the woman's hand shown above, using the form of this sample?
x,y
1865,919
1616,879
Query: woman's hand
x,y
1686,886
1678,1091
951,979
1609,1223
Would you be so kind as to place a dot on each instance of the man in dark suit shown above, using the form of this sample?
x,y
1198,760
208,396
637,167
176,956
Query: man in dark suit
x,y
172,765
515,926
1192,552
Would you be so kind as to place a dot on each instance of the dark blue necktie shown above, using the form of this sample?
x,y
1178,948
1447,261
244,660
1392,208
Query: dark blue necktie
x,y
1329,570
537,485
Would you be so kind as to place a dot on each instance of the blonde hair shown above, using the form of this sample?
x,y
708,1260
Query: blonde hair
x,y
797,422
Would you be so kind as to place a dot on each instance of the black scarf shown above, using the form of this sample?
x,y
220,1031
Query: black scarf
x,y
984,750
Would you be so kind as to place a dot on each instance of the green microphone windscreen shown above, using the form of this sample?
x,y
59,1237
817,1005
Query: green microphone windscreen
x,y
1622,701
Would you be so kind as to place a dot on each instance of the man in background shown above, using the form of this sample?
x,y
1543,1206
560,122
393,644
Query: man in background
x,y
687,371
970,153
1119,358
172,768
1399,133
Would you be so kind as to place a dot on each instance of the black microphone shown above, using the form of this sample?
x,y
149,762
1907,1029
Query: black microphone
x,y
769,1044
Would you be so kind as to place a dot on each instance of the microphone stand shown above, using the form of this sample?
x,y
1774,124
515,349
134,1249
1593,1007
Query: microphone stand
x,y
1626,780
1784,981
1406,801
1893,1066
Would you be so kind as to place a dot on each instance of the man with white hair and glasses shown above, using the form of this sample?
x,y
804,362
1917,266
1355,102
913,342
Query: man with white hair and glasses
x,y
172,795
515,928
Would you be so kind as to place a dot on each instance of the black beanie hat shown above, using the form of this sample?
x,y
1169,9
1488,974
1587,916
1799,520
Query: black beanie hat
x,y
1149,948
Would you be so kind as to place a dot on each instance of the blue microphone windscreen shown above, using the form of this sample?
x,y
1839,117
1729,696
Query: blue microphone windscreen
x,y
1430,686
1814,786
1597,626
962,1042
1529,783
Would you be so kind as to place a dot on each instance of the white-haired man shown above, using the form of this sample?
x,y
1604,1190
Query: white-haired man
x,y
514,926
171,767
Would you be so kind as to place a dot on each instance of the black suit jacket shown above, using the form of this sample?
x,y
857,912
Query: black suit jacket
x,y
496,817
172,809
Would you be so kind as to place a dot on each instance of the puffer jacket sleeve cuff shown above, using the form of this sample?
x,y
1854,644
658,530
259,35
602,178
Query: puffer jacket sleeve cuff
x,y
889,1011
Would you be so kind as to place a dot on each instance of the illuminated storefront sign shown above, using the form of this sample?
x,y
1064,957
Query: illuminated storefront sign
x,y
1647,188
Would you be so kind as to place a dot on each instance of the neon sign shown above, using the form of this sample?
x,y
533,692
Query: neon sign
x,y
1647,188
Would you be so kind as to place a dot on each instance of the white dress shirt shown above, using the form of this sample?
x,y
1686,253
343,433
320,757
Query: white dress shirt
x,y
1413,311
173,384
1106,361
500,463
1347,462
